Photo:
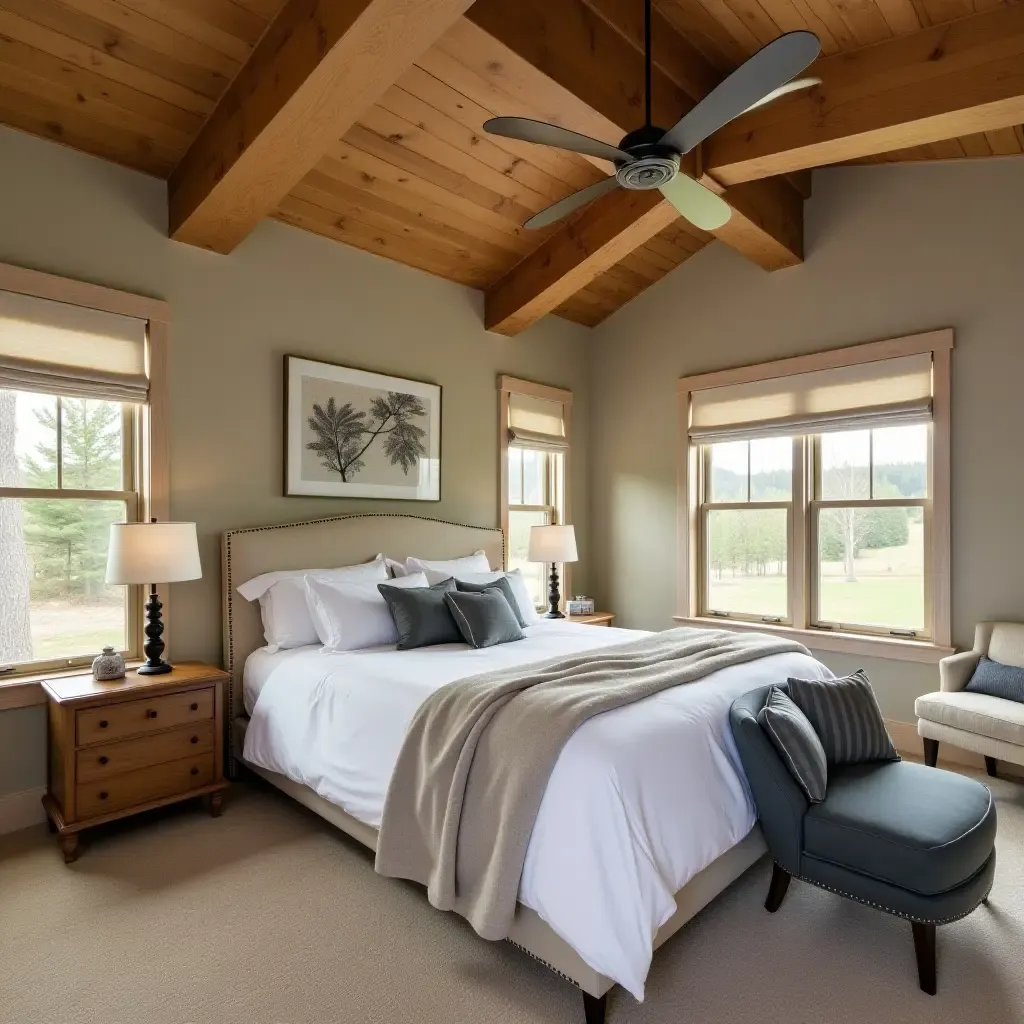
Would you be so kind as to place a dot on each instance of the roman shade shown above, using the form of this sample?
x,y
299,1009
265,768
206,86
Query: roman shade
x,y
536,423
61,349
888,392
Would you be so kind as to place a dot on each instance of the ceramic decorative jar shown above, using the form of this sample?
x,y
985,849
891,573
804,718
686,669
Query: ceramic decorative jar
x,y
109,665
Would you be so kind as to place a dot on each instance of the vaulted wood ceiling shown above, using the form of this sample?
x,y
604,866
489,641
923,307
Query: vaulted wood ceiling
x,y
374,139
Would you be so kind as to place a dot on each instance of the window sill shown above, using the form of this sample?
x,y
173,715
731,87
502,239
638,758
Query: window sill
x,y
891,648
24,691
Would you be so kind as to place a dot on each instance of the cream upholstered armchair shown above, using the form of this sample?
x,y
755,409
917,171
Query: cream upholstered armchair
x,y
987,725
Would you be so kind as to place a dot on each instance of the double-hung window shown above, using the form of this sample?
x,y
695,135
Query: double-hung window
x,y
817,494
74,459
534,436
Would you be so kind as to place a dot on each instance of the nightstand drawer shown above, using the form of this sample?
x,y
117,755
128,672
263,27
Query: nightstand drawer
x,y
105,796
134,717
108,759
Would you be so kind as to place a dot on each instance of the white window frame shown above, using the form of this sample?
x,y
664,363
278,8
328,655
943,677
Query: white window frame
x,y
148,442
558,469
805,506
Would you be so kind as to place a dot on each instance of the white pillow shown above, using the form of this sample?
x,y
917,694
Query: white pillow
x,y
350,615
515,579
397,568
282,596
476,562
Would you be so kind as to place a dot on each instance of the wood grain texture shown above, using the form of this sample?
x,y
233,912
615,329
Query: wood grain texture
x,y
319,66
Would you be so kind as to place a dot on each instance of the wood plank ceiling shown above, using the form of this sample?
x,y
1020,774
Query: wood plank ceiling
x,y
415,179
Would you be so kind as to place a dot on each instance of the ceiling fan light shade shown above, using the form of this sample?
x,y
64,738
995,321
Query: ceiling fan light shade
x,y
699,205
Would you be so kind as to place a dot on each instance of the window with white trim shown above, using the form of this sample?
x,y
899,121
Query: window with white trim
x,y
73,387
814,497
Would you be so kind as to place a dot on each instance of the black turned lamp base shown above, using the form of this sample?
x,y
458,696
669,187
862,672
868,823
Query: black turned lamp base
x,y
158,668
553,595
154,645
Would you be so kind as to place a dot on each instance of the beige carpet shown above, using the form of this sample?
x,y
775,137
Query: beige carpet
x,y
269,916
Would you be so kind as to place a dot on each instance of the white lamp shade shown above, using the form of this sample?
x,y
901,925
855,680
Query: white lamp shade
x,y
153,553
552,544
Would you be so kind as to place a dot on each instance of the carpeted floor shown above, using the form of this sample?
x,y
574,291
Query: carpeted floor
x,y
269,916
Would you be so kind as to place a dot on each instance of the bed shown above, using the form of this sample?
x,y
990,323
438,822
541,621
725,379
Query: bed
x,y
613,869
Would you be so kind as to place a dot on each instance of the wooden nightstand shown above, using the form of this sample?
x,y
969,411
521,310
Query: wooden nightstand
x,y
594,619
128,745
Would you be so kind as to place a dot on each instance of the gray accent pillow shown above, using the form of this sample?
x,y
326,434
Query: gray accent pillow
x,y
421,617
501,584
798,745
484,619
846,717
997,680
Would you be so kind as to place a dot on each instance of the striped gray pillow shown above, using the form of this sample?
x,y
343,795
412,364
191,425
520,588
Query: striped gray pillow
x,y
798,745
846,717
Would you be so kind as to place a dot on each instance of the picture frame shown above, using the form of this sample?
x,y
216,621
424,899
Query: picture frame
x,y
352,433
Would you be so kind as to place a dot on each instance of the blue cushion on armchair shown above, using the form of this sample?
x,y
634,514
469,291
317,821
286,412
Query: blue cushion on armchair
x,y
997,680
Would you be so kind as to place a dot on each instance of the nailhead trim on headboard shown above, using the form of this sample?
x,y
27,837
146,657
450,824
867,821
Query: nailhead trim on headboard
x,y
229,583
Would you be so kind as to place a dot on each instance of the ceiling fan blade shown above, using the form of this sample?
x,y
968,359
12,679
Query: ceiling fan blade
x,y
556,211
699,205
527,130
771,67
797,85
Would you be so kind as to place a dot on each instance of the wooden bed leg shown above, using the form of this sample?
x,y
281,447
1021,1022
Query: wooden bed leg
x,y
777,890
594,1008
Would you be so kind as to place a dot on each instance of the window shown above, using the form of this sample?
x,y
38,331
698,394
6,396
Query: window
x,y
534,439
817,493
78,452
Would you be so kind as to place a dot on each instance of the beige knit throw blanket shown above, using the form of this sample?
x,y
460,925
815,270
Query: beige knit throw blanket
x,y
472,771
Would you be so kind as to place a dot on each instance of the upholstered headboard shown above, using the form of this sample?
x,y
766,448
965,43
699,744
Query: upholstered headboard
x,y
325,544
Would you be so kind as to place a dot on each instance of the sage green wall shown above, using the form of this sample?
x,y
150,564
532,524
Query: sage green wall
x,y
890,251
283,290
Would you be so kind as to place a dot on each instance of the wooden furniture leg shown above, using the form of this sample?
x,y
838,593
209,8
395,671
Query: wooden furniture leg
x,y
594,1008
777,890
924,946
991,764
931,752
69,847
215,803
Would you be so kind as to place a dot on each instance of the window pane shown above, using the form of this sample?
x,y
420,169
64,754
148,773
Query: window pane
x,y
747,554
845,465
728,476
535,573
515,476
91,444
771,469
535,477
28,439
900,461
53,559
871,567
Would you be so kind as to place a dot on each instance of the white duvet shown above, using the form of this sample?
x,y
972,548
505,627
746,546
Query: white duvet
x,y
640,800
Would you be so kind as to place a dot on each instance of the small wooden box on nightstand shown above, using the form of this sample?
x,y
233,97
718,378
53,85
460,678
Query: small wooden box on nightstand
x,y
593,619
128,745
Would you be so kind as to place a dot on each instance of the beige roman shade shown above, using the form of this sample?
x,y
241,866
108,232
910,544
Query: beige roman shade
x,y
536,423
888,392
63,349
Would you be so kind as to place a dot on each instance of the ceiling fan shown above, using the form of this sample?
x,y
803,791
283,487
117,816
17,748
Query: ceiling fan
x,y
649,157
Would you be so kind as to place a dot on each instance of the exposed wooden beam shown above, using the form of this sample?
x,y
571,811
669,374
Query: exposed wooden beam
x,y
590,243
320,64
940,83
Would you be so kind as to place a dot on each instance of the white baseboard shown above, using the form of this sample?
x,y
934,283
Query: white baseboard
x,y
20,810
908,743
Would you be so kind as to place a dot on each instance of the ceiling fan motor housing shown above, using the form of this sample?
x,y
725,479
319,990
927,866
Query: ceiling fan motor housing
x,y
653,165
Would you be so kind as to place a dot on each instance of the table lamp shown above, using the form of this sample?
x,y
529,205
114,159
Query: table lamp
x,y
552,544
152,553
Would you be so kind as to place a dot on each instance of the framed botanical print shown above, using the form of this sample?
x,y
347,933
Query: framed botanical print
x,y
354,434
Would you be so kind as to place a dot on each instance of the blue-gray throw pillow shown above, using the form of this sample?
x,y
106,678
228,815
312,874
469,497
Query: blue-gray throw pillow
x,y
846,717
997,680
421,617
483,619
798,745
502,584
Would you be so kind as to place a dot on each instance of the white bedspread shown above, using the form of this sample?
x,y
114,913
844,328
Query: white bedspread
x,y
640,800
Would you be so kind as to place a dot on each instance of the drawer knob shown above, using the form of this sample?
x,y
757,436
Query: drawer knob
x,y
193,706
103,724
195,739
194,770
103,794
103,759
151,713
